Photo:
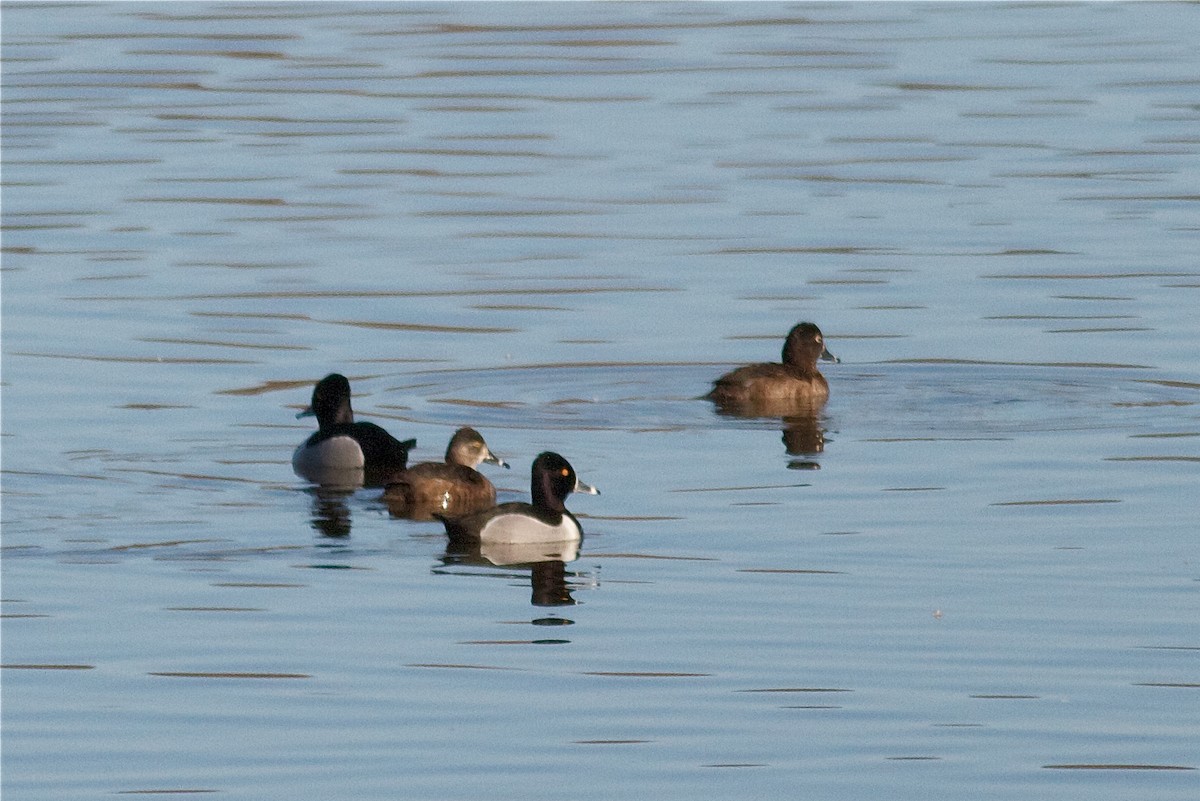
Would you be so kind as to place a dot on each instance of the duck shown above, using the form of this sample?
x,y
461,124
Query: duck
x,y
340,445
545,520
794,383
453,488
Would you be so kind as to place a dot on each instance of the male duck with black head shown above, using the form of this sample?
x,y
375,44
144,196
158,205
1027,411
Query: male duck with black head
x,y
795,385
453,488
342,451
545,520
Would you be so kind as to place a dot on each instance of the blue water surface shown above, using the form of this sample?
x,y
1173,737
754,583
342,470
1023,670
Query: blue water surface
x,y
973,575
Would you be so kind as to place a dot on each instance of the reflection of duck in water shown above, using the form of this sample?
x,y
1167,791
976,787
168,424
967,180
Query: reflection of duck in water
x,y
803,434
546,562
544,520
453,488
330,514
793,390
342,452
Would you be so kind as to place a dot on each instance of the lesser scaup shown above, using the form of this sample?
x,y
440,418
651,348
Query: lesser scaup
x,y
544,520
795,381
453,488
341,445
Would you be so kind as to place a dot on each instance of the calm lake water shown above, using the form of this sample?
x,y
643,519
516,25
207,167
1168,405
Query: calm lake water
x,y
976,575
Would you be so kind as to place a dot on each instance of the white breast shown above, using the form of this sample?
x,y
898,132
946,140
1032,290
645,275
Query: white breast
x,y
333,462
519,529
335,453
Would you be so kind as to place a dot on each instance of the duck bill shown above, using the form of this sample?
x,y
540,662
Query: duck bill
x,y
306,413
586,489
826,356
496,460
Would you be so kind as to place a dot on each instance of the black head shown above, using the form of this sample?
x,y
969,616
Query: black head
x,y
553,480
331,401
805,345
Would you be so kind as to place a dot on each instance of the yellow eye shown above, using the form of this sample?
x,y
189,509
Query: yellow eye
x,y
565,472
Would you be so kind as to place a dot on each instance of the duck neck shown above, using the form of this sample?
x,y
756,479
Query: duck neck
x,y
341,414
802,360
794,356
460,455
543,494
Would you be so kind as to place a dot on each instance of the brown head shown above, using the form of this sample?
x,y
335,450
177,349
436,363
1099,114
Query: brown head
x,y
805,346
468,449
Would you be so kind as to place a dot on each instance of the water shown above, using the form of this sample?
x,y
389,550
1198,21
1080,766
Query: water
x,y
974,576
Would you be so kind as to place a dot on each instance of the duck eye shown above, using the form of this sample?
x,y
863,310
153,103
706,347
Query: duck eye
x,y
565,472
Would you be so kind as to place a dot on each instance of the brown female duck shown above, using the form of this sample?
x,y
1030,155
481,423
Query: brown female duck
x,y
452,488
796,382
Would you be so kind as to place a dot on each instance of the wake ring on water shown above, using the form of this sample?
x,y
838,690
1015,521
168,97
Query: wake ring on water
x,y
917,398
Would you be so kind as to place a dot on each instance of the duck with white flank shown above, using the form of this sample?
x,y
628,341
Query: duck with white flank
x,y
546,519
341,448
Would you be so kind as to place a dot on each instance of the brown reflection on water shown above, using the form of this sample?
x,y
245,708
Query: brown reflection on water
x,y
214,609
384,294
458,666
1059,502
652,556
182,674
135,359
788,571
645,674
47,667
744,488
422,327
267,387
1115,766
479,403
981,362
1191,459
330,513
220,344
803,432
